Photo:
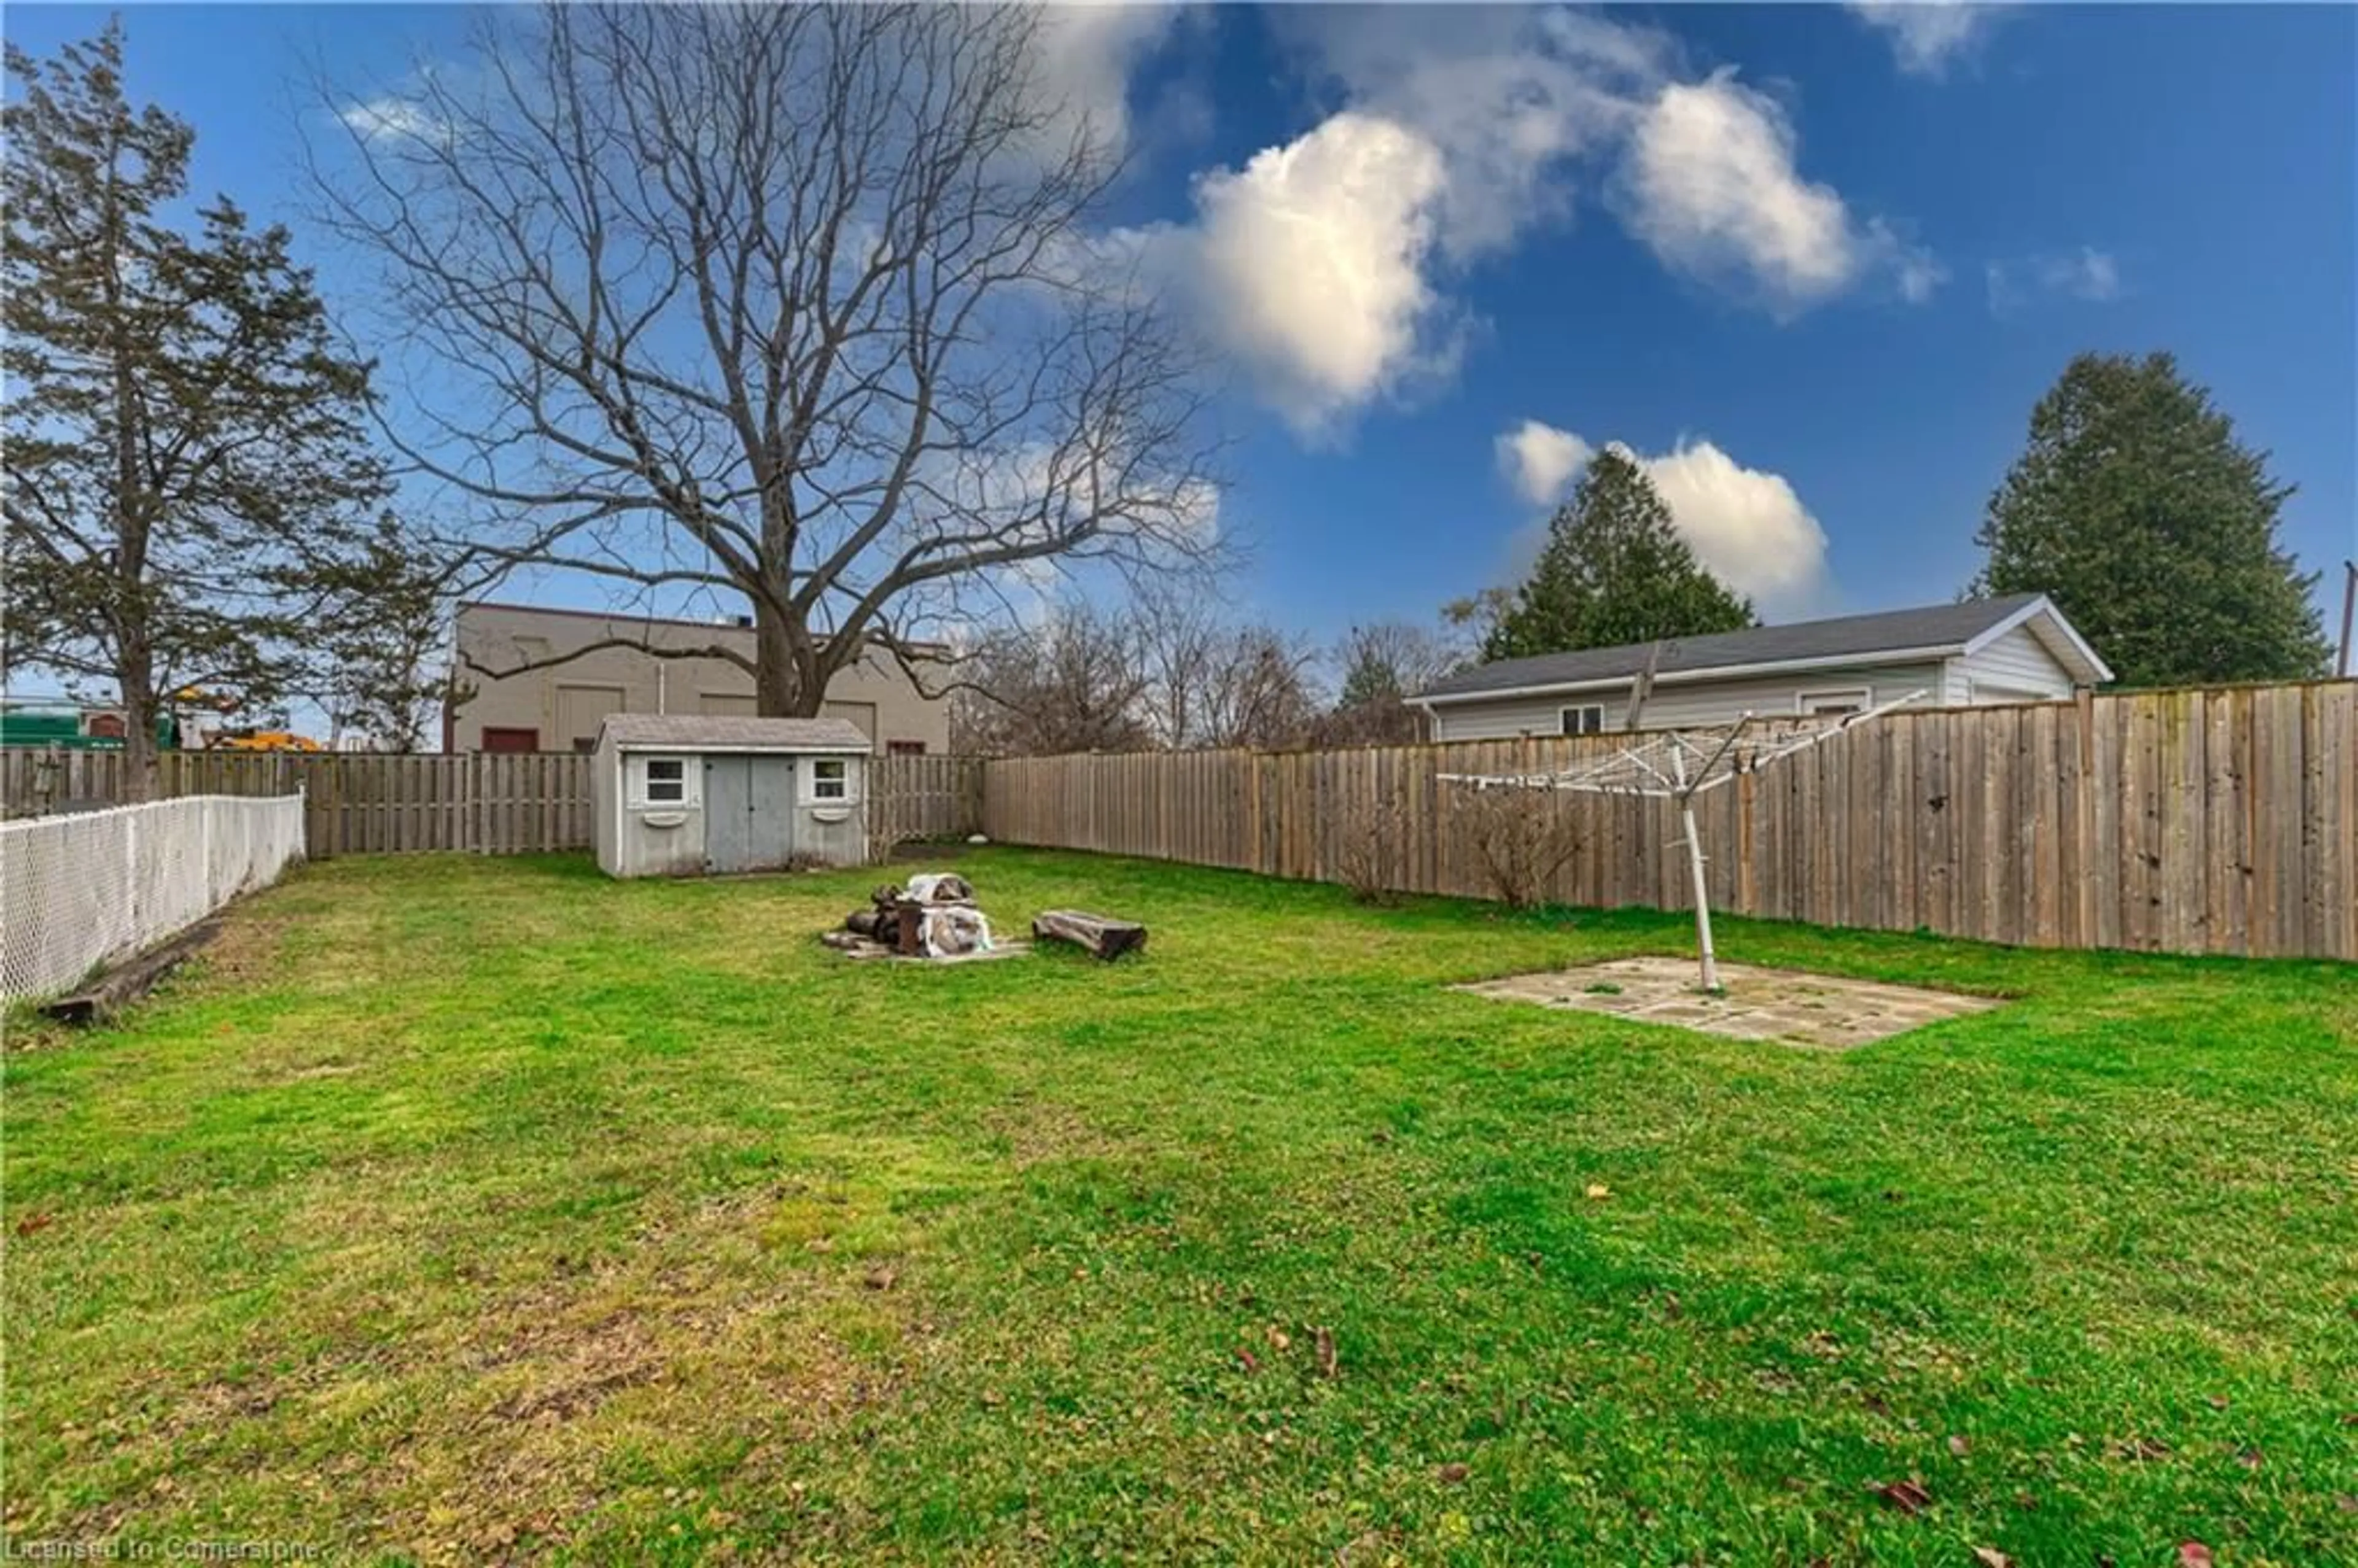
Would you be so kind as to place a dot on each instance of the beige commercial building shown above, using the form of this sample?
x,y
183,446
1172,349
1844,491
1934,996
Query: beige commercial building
x,y
558,707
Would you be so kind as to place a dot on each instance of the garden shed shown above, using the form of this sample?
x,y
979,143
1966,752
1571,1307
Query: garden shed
x,y
685,795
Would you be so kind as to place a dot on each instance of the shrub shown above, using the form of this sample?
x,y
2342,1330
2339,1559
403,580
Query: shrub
x,y
1369,849
1520,838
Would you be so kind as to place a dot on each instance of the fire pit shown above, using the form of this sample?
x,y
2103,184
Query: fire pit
x,y
934,919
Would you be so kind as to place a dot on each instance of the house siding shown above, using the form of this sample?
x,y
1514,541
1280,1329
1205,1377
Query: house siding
x,y
564,703
1686,705
2015,667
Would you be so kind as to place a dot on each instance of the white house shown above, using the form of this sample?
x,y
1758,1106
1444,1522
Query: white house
x,y
1981,651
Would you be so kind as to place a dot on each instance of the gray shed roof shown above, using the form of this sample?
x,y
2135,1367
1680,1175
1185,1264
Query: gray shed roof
x,y
722,733
1933,629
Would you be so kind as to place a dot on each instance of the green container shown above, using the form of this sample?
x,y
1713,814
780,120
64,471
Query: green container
x,y
64,727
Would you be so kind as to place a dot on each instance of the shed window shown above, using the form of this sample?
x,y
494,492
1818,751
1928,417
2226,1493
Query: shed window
x,y
1587,720
831,779
666,781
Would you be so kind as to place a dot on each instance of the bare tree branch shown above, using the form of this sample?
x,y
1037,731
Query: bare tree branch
x,y
805,304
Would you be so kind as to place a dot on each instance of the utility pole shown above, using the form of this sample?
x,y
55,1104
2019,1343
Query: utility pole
x,y
1641,686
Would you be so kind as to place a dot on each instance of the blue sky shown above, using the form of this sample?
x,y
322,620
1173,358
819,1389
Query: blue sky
x,y
1814,263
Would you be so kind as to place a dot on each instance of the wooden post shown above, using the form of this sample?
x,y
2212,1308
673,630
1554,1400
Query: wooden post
x,y
2349,611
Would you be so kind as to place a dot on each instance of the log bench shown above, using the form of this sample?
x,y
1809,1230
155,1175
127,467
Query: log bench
x,y
1101,935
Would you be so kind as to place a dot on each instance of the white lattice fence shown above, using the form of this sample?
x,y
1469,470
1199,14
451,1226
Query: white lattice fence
x,y
77,891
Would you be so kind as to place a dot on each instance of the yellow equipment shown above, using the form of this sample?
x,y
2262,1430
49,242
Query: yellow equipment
x,y
265,740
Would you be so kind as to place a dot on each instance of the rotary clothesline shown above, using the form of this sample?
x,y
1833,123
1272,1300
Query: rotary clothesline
x,y
1680,765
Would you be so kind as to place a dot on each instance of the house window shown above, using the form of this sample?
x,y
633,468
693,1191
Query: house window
x,y
831,779
664,781
904,748
1832,704
1587,720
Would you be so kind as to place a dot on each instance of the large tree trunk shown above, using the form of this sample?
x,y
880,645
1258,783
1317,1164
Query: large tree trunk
x,y
139,769
787,683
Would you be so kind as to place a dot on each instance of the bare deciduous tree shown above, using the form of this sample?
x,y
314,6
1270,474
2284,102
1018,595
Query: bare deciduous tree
x,y
1383,665
1075,682
1259,694
797,304
1214,681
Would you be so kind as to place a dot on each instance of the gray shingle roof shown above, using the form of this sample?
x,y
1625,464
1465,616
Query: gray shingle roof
x,y
722,733
1846,637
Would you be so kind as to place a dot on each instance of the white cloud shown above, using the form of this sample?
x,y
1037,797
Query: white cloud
x,y
1328,266
1539,460
1920,274
1510,98
1746,525
390,118
1309,264
1711,187
1082,57
1323,265
2087,274
1927,35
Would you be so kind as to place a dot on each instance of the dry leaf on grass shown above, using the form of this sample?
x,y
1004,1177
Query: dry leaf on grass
x,y
1991,1557
1453,1474
1328,1366
2193,1554
1908,1496
1959,1445
1598,1192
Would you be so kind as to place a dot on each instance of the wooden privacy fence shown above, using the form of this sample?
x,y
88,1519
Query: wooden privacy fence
x,y
490,802
2200,821
924,797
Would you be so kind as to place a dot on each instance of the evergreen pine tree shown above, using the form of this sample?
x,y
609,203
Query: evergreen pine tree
x,y
2135,508
1613,570
191,499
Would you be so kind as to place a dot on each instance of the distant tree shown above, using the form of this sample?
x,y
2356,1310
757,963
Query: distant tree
x,y
2154,530
1383,665
1476,617
389,671
1258,690
190,495
1613,570
1214,680
1075,682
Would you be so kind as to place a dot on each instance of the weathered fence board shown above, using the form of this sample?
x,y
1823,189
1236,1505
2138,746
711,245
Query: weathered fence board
x,y
494,803
2218,821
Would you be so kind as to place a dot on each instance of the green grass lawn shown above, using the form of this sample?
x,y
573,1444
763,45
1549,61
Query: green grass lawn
x,y
463,1209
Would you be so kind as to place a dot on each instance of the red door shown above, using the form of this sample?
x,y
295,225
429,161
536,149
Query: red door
x,y
498,740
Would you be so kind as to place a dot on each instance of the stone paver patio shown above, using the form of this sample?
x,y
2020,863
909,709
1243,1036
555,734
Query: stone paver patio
x,y
1784,1005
